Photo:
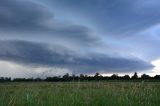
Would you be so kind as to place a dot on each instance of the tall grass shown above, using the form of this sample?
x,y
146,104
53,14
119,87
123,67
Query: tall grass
x,y
80,94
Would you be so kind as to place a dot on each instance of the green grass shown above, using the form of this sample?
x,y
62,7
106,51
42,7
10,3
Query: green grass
x,y
80,94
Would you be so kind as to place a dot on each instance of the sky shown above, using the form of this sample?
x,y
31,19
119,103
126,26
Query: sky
x,y
40,38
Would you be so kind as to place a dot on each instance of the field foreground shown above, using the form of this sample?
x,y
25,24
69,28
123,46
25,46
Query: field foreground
x,y
80,94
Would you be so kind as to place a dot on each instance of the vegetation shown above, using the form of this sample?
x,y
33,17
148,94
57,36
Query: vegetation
x,y
80,94
81,77
81,90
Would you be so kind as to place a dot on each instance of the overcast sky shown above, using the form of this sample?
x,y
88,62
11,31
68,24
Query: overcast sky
x,y
41,38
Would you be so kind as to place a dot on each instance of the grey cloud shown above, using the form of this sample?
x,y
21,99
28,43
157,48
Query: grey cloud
x,y
37,54
31,18
23,16
118,17
146,45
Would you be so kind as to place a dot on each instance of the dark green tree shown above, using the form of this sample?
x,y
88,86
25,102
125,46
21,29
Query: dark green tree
x,y
135,76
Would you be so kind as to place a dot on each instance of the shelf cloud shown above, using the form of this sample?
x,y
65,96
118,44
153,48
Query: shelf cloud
x,y
89,36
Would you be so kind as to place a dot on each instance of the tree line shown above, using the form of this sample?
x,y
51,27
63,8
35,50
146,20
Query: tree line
x,y
82,77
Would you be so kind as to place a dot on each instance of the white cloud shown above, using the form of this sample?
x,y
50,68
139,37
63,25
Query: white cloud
x,y
13,70
156,63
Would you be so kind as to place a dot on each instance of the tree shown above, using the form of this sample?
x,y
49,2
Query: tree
x,y
157,77
114,76
73,77
82,77
135,76
66,77
98,76
144,76
126,77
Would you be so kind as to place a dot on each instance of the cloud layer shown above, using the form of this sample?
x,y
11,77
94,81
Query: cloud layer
x,y
37,54
111,36
116,18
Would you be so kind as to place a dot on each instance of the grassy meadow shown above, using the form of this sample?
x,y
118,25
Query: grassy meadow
x,y
80,94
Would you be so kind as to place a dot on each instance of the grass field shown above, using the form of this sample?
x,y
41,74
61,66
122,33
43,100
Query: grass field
x,y
80,94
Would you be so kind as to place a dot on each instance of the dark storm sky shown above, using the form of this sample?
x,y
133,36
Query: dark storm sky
x,y
81,36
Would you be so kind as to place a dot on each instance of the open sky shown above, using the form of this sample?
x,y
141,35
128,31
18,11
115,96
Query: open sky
x,y
41,38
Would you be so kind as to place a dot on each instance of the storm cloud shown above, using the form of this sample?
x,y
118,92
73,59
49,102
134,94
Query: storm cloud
x,y
118,17
22,16
36,54
89,36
